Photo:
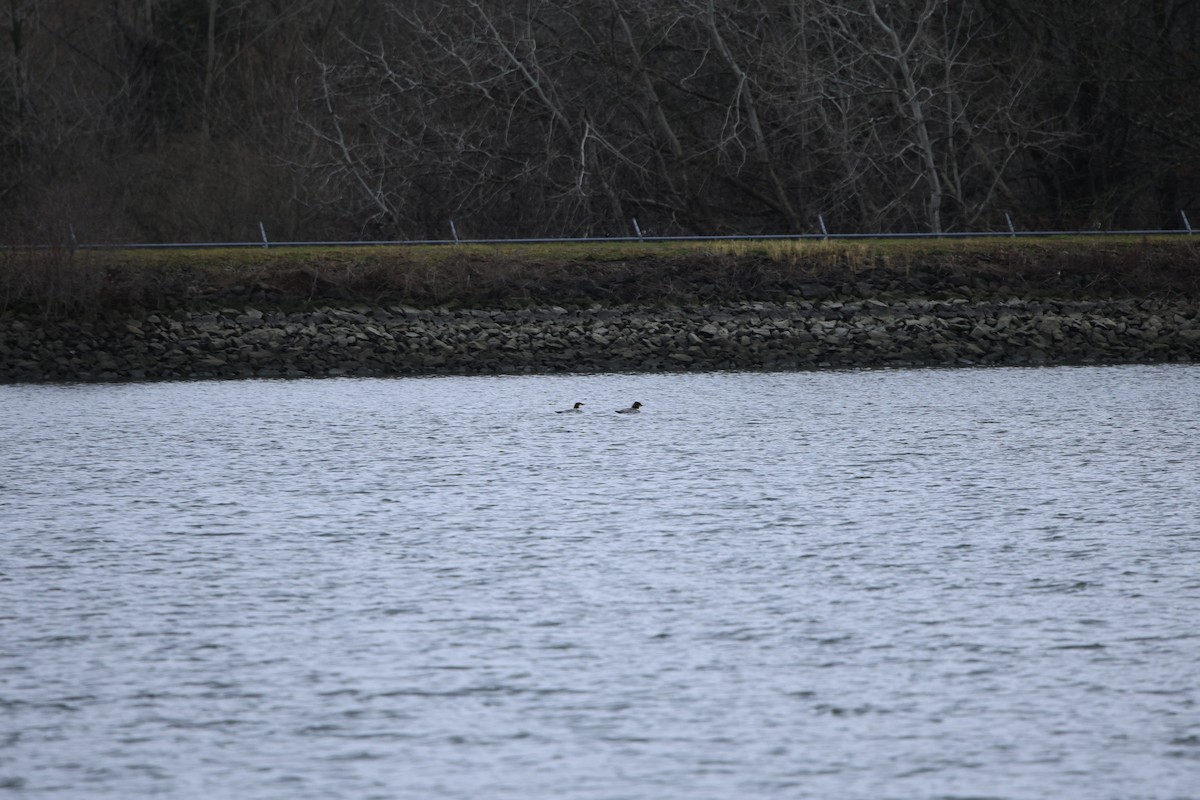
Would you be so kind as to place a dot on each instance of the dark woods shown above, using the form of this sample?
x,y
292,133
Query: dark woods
x,y
193,120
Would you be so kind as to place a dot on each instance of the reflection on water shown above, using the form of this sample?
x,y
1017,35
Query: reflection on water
x,y
912,584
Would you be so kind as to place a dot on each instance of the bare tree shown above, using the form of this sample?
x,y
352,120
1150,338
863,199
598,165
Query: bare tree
x,y
176,120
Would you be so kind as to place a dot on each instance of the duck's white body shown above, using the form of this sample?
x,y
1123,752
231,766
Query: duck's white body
x,y
633,409
575,409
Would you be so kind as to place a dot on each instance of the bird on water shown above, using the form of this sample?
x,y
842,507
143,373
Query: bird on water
x,y
575,409
633,409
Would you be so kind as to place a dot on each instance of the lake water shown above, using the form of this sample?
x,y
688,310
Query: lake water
x,y
979,583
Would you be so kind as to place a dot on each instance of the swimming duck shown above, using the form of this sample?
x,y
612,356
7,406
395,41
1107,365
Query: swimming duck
x,y
633,409
575,409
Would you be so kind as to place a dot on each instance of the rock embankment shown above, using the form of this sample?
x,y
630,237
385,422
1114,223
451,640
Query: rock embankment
x,y
397,340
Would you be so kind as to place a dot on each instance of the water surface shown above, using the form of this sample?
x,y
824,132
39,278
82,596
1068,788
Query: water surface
x,y
872,584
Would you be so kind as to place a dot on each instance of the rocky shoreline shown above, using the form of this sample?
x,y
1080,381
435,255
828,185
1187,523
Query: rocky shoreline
x,y
359,340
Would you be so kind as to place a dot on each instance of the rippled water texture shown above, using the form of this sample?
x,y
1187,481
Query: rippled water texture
x,y
890,584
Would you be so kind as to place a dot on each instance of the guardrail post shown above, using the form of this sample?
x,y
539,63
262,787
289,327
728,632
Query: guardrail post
x,y
1011,230
71,231
262,229
454,232
637,228
1186,224
821,222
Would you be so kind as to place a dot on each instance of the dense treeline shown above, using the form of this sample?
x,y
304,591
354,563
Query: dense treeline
x,y
192,120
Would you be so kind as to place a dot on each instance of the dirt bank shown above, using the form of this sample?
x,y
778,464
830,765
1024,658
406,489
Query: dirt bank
x,y
469,312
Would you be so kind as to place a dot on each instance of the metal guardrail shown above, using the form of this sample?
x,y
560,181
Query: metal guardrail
x,y
1011,233
631,239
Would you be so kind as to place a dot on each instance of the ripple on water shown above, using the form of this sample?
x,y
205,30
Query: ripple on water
x,y
925,583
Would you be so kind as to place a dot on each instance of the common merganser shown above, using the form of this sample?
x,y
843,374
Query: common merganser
x,y
633,409
575,409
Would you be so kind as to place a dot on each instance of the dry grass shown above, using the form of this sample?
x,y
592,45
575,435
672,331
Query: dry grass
x,y
61,282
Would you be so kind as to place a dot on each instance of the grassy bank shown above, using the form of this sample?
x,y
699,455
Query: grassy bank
x,y
58,283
